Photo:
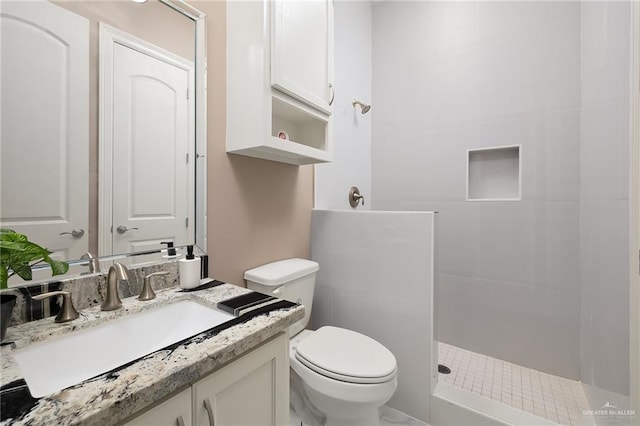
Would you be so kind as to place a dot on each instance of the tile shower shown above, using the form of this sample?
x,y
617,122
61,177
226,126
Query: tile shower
x,y
537,277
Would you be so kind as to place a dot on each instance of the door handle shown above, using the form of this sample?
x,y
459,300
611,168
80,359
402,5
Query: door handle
x,y
122,229
180,421
207,406
333,94
76,233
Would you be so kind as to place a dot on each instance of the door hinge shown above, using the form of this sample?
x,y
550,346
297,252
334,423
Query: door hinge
x,y
186,222
187,158
187,94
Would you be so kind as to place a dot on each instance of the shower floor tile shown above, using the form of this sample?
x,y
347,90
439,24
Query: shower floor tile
x,y
554,398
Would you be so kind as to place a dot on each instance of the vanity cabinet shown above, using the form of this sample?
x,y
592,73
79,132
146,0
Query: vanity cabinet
x,y
279,80
251,390
254,390
175,411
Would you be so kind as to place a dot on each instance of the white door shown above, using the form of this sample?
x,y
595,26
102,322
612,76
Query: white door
x,y
153,171
302,50
44,145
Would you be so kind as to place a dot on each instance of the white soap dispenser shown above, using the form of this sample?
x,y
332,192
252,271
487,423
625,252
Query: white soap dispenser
x,y
189,269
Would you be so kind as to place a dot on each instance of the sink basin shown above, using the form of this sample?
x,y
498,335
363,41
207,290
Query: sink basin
x,y
55,364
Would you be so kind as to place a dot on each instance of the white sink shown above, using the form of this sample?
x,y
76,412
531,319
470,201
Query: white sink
x,y
55,364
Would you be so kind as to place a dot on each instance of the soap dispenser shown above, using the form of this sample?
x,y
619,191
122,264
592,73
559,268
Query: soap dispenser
x,y
189,269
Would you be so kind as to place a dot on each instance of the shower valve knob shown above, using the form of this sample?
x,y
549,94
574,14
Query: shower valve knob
x,y
355,197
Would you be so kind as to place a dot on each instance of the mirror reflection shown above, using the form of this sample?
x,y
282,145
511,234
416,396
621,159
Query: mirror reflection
x,y
98,126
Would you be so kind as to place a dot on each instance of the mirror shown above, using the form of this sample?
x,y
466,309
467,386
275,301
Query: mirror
x,y
103,137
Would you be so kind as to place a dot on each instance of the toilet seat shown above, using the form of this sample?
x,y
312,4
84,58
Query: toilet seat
x,y
347,356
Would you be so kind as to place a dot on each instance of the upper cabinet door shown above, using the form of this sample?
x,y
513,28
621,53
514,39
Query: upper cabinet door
x,y
302,51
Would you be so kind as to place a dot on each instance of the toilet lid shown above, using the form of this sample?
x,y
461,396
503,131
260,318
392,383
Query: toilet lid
x,y
346,355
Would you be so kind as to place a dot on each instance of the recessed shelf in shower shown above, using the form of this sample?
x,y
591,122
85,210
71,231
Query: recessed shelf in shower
x,y
494,174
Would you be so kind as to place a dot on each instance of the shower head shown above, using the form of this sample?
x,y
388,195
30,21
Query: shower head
x,y
364,107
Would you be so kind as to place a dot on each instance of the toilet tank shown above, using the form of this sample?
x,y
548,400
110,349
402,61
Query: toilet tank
x,y
290,279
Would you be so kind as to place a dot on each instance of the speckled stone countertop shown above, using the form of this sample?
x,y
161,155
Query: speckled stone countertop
x,y
120,393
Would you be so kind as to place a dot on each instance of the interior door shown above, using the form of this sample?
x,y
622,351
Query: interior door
x,y
44,168
153,149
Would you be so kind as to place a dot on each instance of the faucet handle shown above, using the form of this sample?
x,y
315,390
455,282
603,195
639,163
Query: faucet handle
x,y
67,311
147,292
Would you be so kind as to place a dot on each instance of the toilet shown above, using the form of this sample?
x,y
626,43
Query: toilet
x,y
346,375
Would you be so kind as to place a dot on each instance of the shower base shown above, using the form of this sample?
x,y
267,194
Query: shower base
x,y
554,398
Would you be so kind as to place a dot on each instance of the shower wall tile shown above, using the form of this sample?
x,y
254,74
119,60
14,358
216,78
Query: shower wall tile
x,y
558,61
376,277
446,26
605,294
478,75
351,129
605,52
531,328
501,19
505,241
557,251
457,253
515,130
507,78
441,151
604,153
604,207
448,90
557,165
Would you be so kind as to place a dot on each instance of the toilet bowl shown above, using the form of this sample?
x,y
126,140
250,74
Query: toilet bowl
x,y
346,375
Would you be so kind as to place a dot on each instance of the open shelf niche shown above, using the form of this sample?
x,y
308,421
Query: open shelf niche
x,y
494,174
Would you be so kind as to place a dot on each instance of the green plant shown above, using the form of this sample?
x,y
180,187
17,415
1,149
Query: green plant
x,y
18,255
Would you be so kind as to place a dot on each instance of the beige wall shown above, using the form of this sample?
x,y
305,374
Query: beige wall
x,y
258,211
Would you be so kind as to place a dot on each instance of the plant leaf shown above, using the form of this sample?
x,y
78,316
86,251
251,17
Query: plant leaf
x,y
4,277
17,253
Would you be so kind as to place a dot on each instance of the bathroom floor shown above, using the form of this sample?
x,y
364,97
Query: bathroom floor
x,y
388,417
544,395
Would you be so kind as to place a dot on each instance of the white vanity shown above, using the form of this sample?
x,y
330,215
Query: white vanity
x,y
234,373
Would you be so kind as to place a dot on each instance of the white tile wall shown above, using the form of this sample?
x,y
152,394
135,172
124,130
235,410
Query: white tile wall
x,y
351,129
604,208
480,74
376,277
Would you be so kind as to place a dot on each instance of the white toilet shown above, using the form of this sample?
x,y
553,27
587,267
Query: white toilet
x,y
345,374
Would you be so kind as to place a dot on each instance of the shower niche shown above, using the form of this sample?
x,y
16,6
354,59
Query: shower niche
x,y
494,174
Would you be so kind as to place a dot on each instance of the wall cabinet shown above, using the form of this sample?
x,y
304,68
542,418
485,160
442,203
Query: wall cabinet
x,y
252,390
279,80
301,51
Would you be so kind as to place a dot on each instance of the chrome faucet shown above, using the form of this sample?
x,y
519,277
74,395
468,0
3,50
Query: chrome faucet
x,y
117,272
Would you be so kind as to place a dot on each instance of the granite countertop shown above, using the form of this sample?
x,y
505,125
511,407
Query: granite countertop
x,y
118,394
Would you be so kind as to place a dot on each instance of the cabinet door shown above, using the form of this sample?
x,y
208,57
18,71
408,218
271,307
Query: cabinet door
x,y
253,390
175,411
302,50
